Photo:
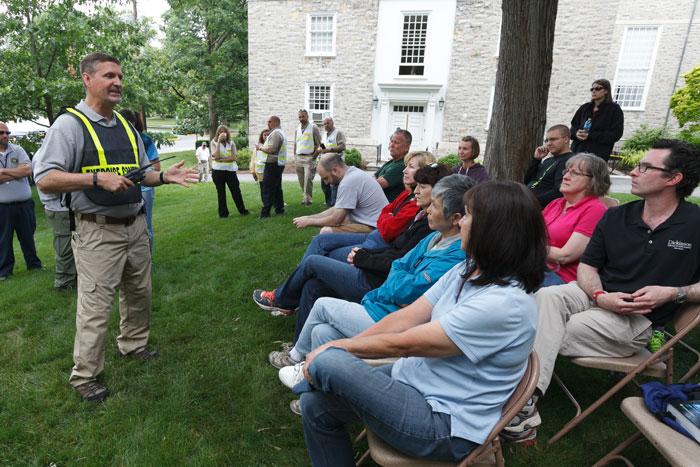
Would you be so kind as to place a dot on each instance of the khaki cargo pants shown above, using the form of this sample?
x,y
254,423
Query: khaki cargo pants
x,y
571,325
306,171
109,259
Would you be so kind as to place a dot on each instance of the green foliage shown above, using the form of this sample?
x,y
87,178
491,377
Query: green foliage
x,y
244,158
685,102
353,157
691,135
162,138
31,142
450,159
630,159
241,139
207,50
643,138
42,43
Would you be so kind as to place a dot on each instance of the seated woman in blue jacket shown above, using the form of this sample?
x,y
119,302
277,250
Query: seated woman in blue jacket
x,y
410,276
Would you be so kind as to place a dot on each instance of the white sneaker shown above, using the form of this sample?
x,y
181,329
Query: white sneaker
x,y
292,375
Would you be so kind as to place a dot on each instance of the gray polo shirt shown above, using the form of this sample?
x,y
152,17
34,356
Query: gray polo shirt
x,y
62,150
360,194
18,189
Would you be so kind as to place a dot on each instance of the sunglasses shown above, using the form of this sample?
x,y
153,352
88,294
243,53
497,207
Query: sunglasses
x,y
597,88
5,133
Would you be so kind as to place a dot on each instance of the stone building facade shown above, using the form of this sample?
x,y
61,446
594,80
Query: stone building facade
x,y
430,65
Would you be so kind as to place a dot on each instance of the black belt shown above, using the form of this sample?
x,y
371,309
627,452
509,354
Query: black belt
x,y
15,203
100,219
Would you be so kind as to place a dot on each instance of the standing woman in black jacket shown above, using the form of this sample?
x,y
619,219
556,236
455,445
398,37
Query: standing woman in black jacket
x,y
606,124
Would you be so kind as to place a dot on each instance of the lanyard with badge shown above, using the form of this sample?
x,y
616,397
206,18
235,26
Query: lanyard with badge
x,y
11,160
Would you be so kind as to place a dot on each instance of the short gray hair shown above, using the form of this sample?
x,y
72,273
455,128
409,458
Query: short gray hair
x,y
89,63
328,161
597,168
450,190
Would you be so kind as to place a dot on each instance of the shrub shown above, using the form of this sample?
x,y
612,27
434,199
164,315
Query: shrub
x,y
691,135
241,139
450,159
630,159
643,138
243,159
353,157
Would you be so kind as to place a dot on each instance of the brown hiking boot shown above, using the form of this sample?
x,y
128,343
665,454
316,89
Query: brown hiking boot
x,y
92,391
144,353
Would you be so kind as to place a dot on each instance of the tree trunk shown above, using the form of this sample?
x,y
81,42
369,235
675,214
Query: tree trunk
x,y
213,118
48,106
522,86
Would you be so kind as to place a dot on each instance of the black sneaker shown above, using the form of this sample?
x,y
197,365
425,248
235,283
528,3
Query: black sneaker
x,y
92,391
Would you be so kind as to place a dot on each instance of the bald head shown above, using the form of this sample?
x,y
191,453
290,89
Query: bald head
x,y
4,135
273,121
328,124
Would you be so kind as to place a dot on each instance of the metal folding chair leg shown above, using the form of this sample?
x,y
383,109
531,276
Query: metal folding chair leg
x,y
615,454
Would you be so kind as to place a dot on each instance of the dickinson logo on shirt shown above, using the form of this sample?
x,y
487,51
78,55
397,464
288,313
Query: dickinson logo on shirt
x,y
678,245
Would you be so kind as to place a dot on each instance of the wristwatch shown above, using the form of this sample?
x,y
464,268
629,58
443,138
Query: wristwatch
x,y
681,295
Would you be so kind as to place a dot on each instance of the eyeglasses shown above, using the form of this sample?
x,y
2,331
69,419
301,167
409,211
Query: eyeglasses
x,y
643,167
5,133
576,173
597,88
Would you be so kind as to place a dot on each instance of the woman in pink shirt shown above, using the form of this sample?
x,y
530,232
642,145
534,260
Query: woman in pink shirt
x,y
571,220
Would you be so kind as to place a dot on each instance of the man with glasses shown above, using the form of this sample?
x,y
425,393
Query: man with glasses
x,y
546,169
641,264
16,205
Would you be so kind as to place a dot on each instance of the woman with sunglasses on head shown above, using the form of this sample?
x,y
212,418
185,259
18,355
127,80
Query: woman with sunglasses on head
x,y
572,219
598,124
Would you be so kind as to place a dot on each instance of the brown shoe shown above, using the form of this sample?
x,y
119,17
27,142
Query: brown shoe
x,y
144,353
92,391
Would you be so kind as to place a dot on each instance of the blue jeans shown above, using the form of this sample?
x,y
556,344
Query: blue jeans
x,y
148,198
17,217
319,276
338,245
551,278
349,390
332,319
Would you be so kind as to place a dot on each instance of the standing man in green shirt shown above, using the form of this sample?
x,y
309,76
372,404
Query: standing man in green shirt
x,y
390,175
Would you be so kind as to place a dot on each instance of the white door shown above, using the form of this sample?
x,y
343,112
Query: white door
x,y
411,118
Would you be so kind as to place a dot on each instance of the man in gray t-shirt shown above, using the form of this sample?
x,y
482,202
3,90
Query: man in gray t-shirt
x,y
359,203
16,205
87,153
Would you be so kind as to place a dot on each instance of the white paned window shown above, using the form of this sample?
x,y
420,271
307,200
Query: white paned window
x,y
413,38
320,102
634,66
320,34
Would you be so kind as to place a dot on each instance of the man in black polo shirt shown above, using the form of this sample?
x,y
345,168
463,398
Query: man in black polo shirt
x,y
642,263
546,169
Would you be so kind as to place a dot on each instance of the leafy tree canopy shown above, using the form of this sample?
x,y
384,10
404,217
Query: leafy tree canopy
x,y
207,48
42,43
685,102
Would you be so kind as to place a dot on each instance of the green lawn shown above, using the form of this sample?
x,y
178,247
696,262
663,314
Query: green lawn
x,y
212,398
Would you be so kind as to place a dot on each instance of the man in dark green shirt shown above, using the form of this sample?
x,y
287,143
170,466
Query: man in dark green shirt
x,y
390,175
